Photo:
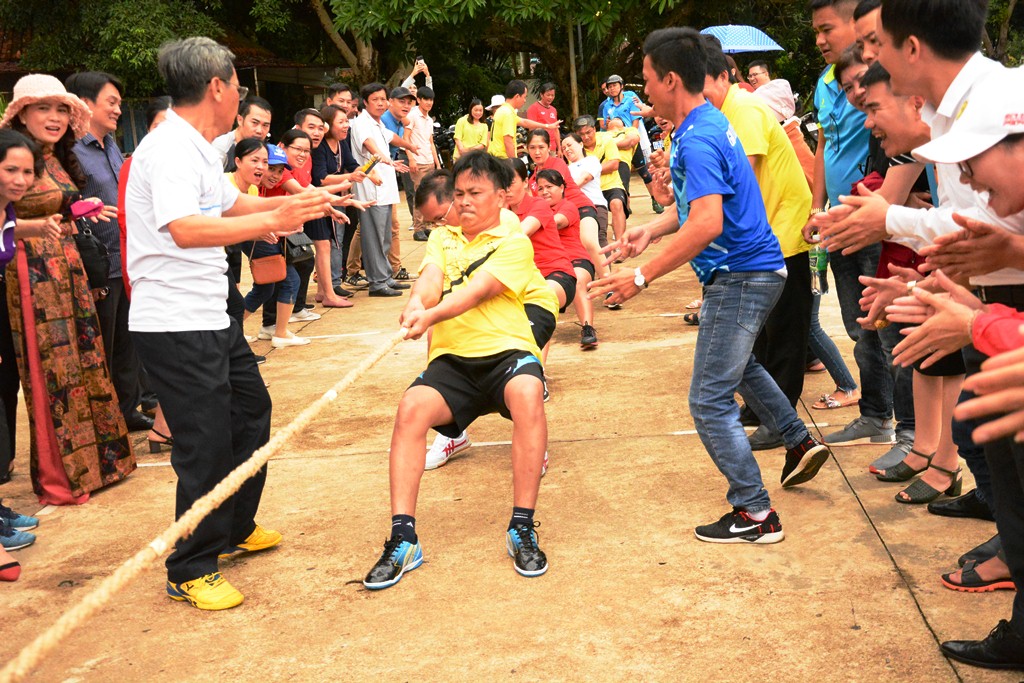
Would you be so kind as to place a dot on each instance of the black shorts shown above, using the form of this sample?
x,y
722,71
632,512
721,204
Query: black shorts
x,y
476,386
947,366
542,323
568,284
588,212
620,194
586,265
624,171
319,229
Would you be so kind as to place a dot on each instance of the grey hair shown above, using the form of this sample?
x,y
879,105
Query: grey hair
x,y
187,66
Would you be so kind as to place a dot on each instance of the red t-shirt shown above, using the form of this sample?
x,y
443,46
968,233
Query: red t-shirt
x,y
301,175
548,253
570,234
572,191
538,112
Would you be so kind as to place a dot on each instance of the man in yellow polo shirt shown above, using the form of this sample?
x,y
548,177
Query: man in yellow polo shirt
x,y
781,346
507,121
482,359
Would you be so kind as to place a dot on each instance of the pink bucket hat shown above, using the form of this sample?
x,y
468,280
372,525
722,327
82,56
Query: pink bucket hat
x,y
38,87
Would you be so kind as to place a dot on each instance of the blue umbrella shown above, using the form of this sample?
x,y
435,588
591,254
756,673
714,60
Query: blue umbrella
x,y
742,38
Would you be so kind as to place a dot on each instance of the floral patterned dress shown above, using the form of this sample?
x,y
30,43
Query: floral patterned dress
x,y
79,439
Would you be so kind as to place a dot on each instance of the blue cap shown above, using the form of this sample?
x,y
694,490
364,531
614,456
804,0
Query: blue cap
x,y
277,157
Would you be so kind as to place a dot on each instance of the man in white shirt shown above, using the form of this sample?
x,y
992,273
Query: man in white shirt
x,y
181,211
371,138
424,160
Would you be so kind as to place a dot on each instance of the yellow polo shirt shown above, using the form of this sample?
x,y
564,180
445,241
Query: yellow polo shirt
x,y
787,199
498,324
604,148
626,154
506,120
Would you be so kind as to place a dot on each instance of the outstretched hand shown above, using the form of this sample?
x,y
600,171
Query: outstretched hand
x,y
1000,390
851,231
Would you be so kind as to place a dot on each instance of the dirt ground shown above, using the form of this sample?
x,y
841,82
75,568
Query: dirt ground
x,y
853,593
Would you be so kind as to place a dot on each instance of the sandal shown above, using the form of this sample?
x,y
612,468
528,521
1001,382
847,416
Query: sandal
x,y
830,402
815,367
692,319
971,582
921,492
157,446
902,471
695,304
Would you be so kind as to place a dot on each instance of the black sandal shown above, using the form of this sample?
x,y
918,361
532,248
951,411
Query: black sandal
x,y
904,472
920,492
157,446
692,319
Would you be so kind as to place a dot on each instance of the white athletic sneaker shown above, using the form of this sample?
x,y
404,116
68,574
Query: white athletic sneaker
x,y
304,316
266,332
444,448
290,340
249,338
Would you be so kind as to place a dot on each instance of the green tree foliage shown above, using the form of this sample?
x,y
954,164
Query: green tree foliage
x,y
119,36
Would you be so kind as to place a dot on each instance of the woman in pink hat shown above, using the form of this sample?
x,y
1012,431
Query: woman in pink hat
x,y
79,438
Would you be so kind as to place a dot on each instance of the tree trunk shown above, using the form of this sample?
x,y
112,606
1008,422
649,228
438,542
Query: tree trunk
x,y
361,61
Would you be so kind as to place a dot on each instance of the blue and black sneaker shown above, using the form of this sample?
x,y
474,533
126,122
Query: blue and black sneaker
x,y
399,556
521,542
12,539
17,521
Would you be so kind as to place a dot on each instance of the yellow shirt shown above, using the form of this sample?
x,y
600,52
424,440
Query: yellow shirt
x,y
787,199
498,324
627,153
469,134
506,120
254,190
604,148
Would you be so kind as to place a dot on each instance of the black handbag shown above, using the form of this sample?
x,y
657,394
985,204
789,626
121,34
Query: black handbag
x,y
95,256
298,248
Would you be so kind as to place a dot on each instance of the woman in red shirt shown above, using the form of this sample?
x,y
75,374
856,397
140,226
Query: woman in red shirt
x,y
551,186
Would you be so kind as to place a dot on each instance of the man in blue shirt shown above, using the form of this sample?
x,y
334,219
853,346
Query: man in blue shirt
x,y
101,161
630,109
730,246
839,162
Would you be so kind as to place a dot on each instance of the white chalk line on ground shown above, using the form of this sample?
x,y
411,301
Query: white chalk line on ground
x,y
340,336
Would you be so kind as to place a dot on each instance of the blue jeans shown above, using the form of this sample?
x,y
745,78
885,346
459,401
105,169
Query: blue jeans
x,y
972,453
903,381
734,310
876,379
825,350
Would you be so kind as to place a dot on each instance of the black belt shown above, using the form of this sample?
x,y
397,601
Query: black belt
x,y
1008,295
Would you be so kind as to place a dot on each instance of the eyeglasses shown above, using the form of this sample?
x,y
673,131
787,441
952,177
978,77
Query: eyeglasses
x,y
243,91
299,150
754,74
443,220
965,169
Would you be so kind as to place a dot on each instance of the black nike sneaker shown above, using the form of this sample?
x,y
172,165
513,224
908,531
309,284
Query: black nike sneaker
x,y
738,527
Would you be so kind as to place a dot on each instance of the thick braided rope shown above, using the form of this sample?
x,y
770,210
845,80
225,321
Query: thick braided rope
x,y
31,654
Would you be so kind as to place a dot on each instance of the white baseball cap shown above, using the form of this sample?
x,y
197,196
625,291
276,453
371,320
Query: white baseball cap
x,y
993,111
496,101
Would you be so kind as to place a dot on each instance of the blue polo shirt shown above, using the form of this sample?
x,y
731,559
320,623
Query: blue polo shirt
x,y
708,159
627,109
846,138
395,126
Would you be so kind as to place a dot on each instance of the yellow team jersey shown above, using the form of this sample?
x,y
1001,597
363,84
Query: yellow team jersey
x,y
787,199
626,154
253,191
604,148
469,134
498,324
505,123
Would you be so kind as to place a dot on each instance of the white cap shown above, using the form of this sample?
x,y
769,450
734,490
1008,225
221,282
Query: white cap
x,y
994,110
496,101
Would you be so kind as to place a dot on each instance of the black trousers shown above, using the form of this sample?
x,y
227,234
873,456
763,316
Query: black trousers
x,y
1006,465
207,380
122,360
781,346
305,270
9,382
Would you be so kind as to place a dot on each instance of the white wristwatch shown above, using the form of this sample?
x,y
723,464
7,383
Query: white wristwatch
x,y
638,279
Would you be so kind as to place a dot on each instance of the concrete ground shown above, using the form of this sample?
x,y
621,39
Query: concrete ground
x,y
853,593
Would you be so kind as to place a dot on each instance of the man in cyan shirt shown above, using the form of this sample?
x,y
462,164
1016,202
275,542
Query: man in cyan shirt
x,y
730,246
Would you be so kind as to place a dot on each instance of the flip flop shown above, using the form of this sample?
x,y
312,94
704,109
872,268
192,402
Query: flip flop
x,y
830,402
971,582
695,304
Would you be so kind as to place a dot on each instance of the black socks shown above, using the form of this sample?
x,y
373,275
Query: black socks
x,y
404,527
521,516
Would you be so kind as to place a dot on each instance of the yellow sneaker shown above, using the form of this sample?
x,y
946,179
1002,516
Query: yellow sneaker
x,y
211,592
259,539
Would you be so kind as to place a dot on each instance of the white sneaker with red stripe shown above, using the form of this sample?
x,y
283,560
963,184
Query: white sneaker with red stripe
x,y
444,448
